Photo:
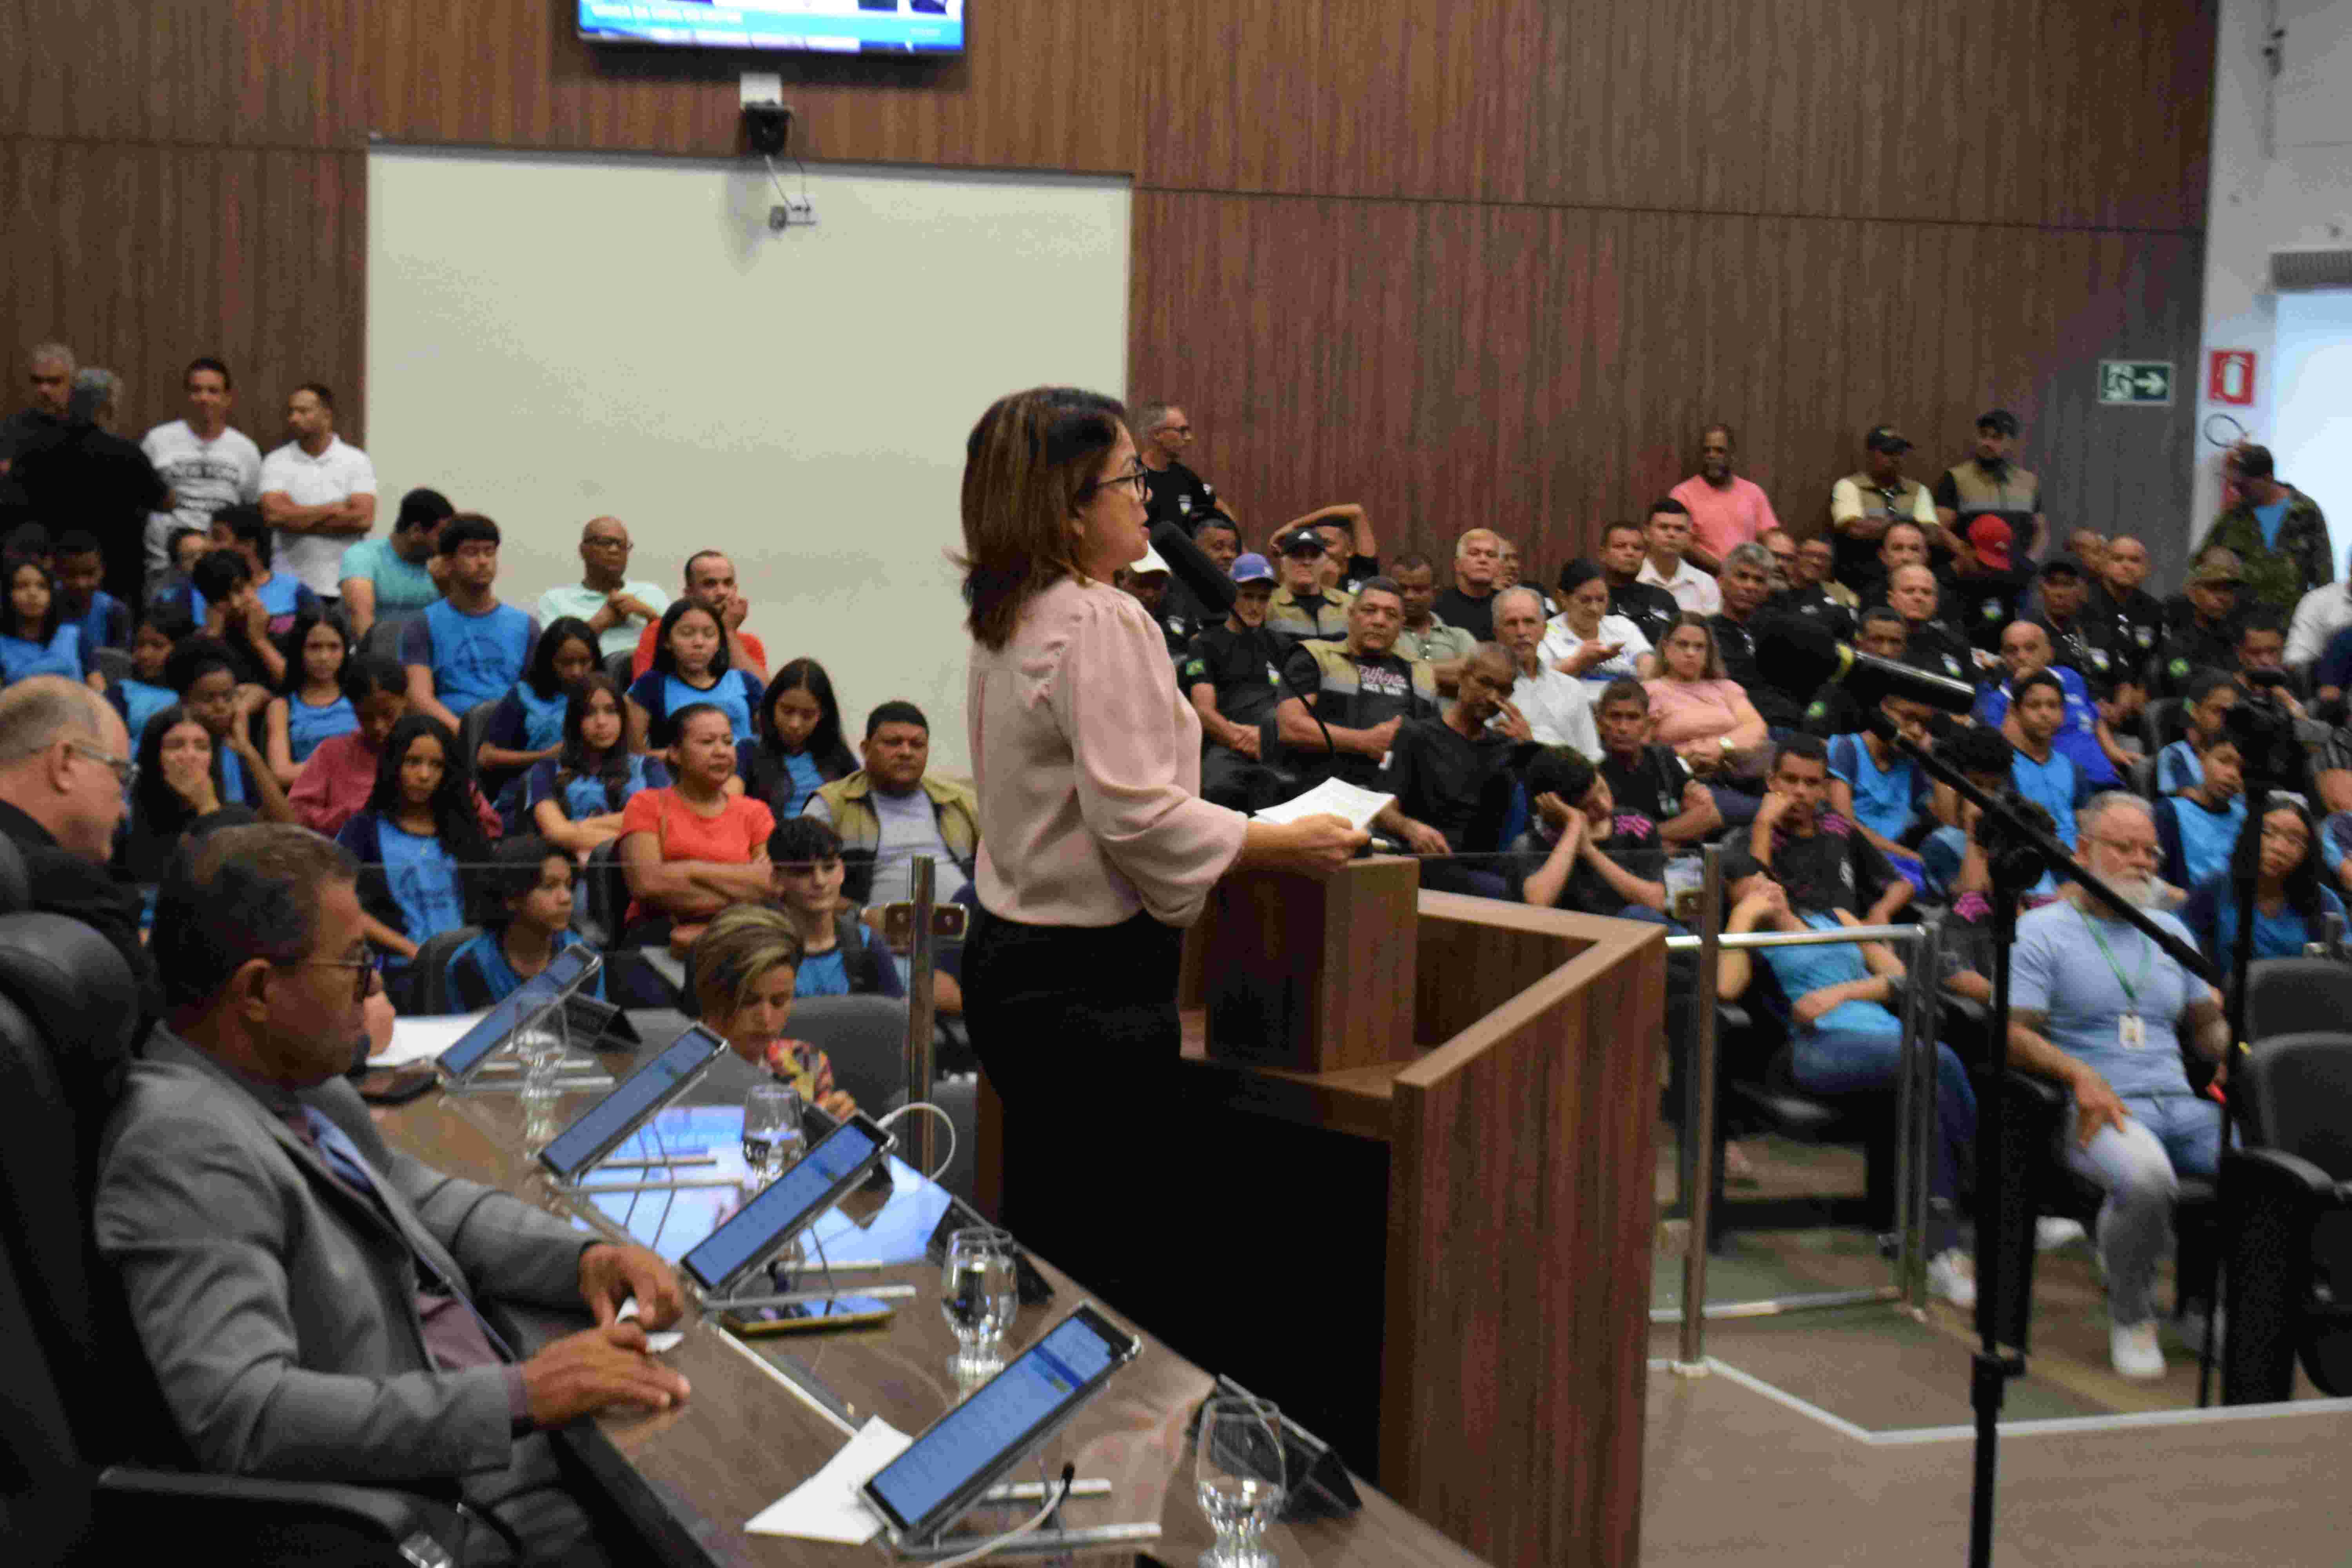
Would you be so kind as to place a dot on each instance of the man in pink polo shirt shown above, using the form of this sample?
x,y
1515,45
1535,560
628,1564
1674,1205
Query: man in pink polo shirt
x,y
1725,509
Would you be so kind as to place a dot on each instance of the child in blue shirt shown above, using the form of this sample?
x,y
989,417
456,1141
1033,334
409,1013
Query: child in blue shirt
x,y
799,749
2042,773
690,666
100,619
574,800
466,649
526,917
34,637
1880,789
146,692
2292,901
527,726
311,706
412,838
2197,828
2212,695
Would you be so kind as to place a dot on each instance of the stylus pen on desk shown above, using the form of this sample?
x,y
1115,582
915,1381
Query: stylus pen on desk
x,y
800,1298
1034,1491
684,1157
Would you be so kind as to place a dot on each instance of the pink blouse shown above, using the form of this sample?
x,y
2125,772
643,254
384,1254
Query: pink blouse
x,y
1089,765
1693,709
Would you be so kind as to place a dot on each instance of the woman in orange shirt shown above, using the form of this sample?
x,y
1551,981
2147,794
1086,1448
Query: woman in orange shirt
x,y
691,850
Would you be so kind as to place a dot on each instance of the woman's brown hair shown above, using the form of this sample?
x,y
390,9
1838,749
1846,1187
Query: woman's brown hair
x,y
1027,464
1714,671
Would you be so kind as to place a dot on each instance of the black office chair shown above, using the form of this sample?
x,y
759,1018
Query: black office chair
x,y
92,1468
603,904
2286,1204
2296,996
472,725
620,669
865,1037
429,983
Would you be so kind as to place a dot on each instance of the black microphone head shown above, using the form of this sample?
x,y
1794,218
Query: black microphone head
x,y
1800,653
1191,566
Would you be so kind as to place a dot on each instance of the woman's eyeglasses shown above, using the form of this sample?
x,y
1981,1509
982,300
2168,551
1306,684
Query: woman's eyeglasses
x,y
1138,477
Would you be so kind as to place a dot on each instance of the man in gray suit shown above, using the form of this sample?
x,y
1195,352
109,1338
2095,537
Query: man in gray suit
x,y
304,1294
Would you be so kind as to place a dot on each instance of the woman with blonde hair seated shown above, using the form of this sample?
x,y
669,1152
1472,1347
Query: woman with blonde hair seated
x,y
744,965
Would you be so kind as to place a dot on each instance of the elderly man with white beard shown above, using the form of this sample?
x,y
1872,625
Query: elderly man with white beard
x,y
2097,1006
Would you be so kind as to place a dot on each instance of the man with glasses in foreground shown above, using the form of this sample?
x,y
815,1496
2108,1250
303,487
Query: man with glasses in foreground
x,y
305,1295
65,777
2097,1006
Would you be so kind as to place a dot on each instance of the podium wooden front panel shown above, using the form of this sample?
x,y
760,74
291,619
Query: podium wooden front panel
x,y
1513,1281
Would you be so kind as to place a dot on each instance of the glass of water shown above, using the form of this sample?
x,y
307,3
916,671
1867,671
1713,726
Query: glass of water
x,y
1239,1473
980,1290
773,1139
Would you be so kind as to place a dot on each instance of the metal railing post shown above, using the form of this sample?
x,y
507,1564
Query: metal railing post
x,y
1698,1112
919,1013
1922,1017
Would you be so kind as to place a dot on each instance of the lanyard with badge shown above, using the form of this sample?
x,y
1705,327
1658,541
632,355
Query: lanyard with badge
x,y
2131,1030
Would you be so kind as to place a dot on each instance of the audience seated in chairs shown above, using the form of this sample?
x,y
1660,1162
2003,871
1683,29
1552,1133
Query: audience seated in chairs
x,y
710,583
233,617
143,693
1649,781
1545,705
2197,828
341,774
1666,538
1818,854
1707,718
1881,790
2083,735
282,596
1423,636
2043,772
527,726
2099,1008
416,841
1586,639
894,808
798,750
201,672
1579,852
616,609
178,786
466,649
1361,690
576,800
1228,675
1880,632
840,954
2205,636
1452,781
2210,694
523,904
692,848
1953,859
1304,607
2292,899
100,619
34,637
690,669
390,580
1846,1038
311,706
746,964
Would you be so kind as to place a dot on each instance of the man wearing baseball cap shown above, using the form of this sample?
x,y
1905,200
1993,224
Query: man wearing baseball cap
x,y
2207,636
1862,504
1302,607
1988,583
1231,674
1988,481
1147,581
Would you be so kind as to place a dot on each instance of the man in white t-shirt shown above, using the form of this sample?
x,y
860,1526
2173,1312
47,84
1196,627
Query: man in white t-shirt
x,y
1665,536
318,492
1555,706
207,465
616,609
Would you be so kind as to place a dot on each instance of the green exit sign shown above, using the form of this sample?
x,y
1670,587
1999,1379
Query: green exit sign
x,y
2147,382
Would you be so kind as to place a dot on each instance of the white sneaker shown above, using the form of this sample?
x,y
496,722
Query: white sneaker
x,y
2050,1233
1952,1274
2192,1327
2134,1350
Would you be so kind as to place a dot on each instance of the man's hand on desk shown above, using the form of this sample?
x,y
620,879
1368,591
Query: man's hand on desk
x,y
582,1374
610,1275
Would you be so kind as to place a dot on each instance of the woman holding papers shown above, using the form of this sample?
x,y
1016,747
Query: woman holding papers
x,y
1094,848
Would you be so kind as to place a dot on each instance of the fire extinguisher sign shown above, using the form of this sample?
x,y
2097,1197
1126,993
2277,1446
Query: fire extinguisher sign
x,y
2230,377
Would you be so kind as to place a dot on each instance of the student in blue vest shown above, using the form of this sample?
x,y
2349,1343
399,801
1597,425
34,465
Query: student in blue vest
x,y
2042,773
574,800
527,726
2211,694
466,649
102,620
283,597
2198,828
311,706
840,954
144,692
690,667
2083,735
524,904
177,787
412,837
1882,791
799,749
233,617
206,677
34,637
2292,901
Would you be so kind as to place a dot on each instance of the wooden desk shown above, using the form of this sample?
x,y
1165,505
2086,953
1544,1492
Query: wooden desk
x,y
689,1479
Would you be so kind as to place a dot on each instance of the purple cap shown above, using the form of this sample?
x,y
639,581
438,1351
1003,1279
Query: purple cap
x,y
1252,568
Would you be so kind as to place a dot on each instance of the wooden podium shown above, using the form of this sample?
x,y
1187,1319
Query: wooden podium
x,y
1444,1107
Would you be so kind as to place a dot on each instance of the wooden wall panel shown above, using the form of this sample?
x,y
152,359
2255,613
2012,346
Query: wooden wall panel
x,y
1545,371
154,255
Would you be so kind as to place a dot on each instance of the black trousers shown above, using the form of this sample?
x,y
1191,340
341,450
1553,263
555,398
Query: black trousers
x,y
1076,1028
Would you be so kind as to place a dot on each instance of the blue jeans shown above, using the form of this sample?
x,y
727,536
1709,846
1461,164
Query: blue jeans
x,y
2139,1166
1846,1061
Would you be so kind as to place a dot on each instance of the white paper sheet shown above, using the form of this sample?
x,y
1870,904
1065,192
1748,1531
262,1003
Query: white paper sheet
x,y
1332,797
421,1039
656,1340
826,1507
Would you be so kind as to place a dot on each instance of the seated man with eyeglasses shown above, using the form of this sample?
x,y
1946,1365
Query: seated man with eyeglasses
x,y
65,777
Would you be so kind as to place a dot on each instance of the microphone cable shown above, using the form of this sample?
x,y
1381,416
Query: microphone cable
x,y
1059,1495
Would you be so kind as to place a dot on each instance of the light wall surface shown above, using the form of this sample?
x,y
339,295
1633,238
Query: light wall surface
x,y
553,337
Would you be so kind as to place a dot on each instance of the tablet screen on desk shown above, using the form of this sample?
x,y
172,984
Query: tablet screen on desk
x,y
831,1167
563,972
965,1450
636,1097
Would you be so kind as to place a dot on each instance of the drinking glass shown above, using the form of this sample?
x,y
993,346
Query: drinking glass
x,y
980,1290
1239,1475
773,1139
539,1046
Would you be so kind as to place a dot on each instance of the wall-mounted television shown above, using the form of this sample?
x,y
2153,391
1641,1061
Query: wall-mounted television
x,y
820,26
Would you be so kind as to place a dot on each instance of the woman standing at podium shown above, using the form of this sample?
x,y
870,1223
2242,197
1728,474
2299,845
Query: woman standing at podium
x,y
1096,849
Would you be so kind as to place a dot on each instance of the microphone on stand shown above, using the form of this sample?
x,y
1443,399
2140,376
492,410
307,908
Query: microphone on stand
x,y
1193,568
1803,657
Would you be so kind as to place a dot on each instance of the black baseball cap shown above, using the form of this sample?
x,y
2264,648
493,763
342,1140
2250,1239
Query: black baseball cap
x,y
2000,421
1886,439
2059,566
1300,542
